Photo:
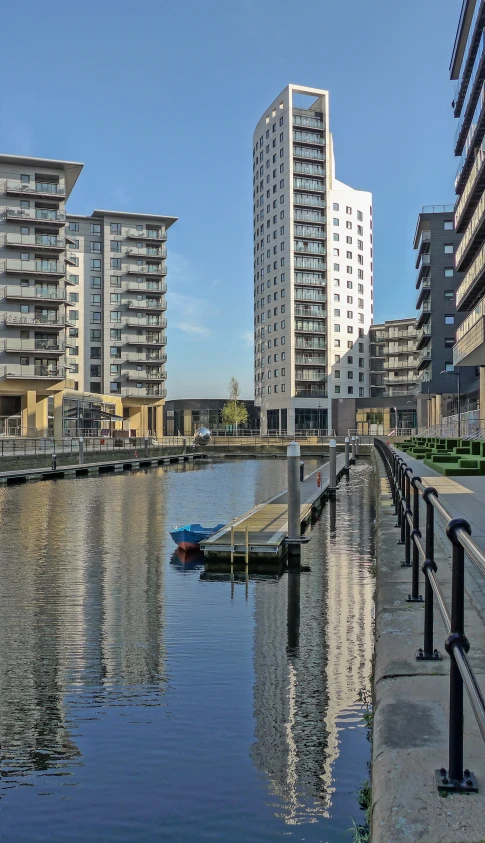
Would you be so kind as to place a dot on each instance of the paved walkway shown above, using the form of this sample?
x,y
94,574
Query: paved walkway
x,y
462,497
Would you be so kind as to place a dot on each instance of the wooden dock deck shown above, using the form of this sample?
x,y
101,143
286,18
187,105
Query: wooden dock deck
x,y
263,530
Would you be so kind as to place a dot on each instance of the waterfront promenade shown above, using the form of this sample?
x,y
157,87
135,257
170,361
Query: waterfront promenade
x,y
411,698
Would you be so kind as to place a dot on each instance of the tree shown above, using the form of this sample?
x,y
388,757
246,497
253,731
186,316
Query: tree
x,y
234,412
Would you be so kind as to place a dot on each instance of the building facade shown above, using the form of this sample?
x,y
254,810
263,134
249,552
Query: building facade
x,y
82,324
393,358
184,415
436,242
313,268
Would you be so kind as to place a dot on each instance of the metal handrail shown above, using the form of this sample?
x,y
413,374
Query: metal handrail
x,y
458,531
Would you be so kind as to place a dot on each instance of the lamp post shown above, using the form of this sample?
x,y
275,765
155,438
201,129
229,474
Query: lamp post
x,y
457,373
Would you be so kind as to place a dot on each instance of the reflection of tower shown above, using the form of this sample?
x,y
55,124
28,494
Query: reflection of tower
x,y
311,663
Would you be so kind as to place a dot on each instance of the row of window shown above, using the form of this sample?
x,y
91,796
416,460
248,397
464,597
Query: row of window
x,y
348,210
114,227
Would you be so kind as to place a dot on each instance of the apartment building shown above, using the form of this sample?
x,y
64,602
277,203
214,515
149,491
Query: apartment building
x,y
82,330
468,70
393,358
313,268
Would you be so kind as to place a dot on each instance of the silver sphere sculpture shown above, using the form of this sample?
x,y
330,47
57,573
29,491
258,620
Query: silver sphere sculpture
x,y
202,436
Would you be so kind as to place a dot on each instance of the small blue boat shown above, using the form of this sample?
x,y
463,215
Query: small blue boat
x,y
192,535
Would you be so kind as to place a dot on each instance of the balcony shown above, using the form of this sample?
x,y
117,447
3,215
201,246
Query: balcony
x,y
157,377
310,342
134,322
423,267
47,242
309,249
400,364
308,153
150,307
310,391
145,269
472,191
392,379
469,349
18,346
472,287
424,291
40,189
158,343
310,359
308,122
308,169
143,287
423,245
473,237
424,336
34,267
424,359
144,392
309,184
309,231
145,358
16,320
465,72
152,236
47,216
51,372
424,314
308,200
33,294
307,137
142,253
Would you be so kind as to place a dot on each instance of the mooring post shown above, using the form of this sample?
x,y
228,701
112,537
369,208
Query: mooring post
x,y
81,450
302,471
54,461
354,449
347,454
333,467
146,446
357,451
293,466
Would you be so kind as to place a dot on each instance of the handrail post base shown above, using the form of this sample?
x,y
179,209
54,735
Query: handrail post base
x,y
421,656
468,784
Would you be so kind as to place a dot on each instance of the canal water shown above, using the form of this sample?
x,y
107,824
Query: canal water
x,y
139,702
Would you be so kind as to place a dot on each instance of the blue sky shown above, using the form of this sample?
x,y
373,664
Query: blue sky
x,y
159,100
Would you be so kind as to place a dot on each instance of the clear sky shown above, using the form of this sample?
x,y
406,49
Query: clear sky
x,y
160,99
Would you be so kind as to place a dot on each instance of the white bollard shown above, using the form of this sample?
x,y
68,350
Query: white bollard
x,y
347,454
333,465
354,448
293,461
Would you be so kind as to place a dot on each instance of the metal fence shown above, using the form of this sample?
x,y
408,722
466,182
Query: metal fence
x,y
70,444
458,531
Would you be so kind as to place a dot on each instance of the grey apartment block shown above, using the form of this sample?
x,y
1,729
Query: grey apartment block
x,y
393,358
437,281
118,319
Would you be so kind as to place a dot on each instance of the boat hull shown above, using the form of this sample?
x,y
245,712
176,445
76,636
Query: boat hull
x,y
190,536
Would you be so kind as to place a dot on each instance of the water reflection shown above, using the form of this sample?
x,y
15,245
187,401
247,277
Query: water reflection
x,y
312,656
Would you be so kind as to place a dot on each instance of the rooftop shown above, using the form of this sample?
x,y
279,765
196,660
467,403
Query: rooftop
x,y
71,168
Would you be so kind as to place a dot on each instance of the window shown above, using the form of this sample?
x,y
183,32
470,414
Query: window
x,y
336,296
95,316
24,361
448,225
114,351
350,390
337,373
95,263
73,298
115,334
336,268
95,300
73,315
361,377
94,386
115,316
115,298
349,255
449,295
95,282
335,221
95,352
336,343
335,206
336,253
74,244
116,245
360,216
115,228
73,226
24,203
336,312
449,342
449,320
449,367
349,241
115,280
348,210
95,228
348,224
25,179
95,335
449,272
95,246
74,332
115,263
350,314
115,369
448,248
24,308
350,376
336,329
24,256
337,389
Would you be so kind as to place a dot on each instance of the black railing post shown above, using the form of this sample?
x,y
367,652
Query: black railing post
x,y
407,516
402,502
456,778
398,492
415,597
428,652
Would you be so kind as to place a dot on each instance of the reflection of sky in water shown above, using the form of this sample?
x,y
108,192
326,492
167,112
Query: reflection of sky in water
x,y
139,703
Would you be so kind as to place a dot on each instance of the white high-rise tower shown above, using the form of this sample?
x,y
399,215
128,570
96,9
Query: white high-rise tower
x,y
313,285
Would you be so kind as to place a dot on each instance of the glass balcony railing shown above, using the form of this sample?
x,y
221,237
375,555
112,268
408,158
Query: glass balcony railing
x,y
475,272
471,84
44,214
40,187
471,34
309,122
306,152
35,240
32,371
470,141
40,267
308,137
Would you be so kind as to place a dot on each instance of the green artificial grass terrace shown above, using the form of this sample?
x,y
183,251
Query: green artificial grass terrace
x,y
451,457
